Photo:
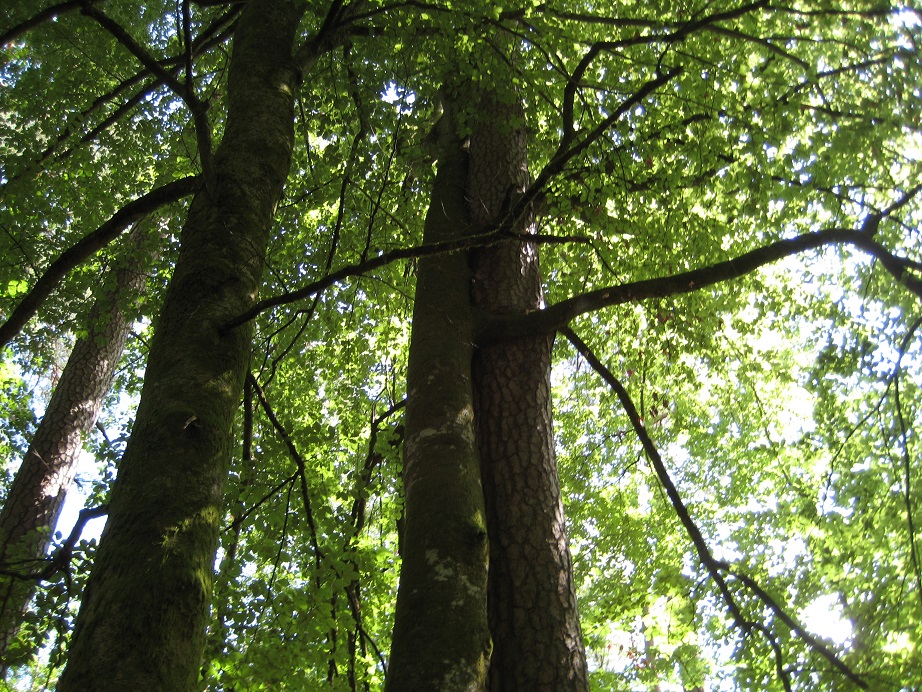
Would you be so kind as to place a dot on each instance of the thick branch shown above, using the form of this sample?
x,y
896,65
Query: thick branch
x,y
90,244
332,32
46,15
496,328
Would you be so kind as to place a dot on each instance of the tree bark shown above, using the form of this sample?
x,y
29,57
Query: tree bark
x,y
537,642
40,485
142,621
441,638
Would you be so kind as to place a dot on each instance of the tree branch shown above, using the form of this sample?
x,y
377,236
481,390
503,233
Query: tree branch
x,y
907,461
216,33
89,245
296,457
389,257
494,328
713,566
60,559
197,107
381,260
46,15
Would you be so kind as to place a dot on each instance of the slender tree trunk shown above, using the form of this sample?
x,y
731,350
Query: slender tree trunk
x,y
39,487
441,638
537,642
142,621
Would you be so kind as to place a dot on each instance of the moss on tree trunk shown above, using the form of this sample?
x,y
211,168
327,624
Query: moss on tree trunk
x,y
142,621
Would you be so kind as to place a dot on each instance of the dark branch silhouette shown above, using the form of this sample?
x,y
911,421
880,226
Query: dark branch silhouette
x,y
386,258
186,92
39,18
496,328
715,568
296,457
89,245
60,558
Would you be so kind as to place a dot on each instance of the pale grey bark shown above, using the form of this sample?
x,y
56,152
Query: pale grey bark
x,y
441,638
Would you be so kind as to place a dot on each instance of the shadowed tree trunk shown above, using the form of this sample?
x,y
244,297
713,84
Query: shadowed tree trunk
x,y
142,621
531,611
39,487
537,642
441,639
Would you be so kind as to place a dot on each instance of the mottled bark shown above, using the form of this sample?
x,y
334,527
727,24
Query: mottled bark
x,y
39,487
537,642
142,621
441,638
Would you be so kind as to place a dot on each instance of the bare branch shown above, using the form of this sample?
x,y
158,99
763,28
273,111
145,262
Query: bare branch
x,y
714,567
555,317
89,245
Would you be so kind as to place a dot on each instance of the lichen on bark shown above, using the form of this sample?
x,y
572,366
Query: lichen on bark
x,y
441,638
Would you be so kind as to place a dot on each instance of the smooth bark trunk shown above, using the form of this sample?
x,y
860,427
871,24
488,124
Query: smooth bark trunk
x,y
39,487
537,642
441,638
142,621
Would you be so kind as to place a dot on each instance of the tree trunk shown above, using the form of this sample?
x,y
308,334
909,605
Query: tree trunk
x,y
537,642
39,487
441,639
142,621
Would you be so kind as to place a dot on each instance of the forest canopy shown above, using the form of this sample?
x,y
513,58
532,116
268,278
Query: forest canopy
x,y
370,294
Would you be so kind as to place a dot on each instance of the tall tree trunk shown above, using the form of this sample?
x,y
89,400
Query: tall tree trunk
x,y
441,638
537,642
142,621
40,485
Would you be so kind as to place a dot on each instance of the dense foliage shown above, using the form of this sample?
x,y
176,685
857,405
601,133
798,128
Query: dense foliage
x,y
778,400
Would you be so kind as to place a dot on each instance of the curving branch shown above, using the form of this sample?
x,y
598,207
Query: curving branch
x,y
296,457
186,92
568,149
494,328
389,257
39,18
680,34
715,568
60,558
88,246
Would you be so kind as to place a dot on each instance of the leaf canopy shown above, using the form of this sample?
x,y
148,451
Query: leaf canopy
x,y
663,138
